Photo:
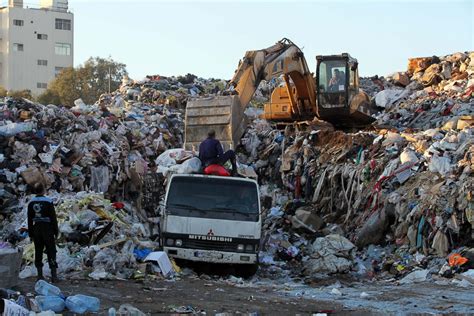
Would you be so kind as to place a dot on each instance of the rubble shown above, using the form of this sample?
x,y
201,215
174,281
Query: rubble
x,y
407,183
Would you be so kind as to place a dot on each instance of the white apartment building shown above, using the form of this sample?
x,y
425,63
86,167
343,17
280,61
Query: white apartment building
x,y
35,44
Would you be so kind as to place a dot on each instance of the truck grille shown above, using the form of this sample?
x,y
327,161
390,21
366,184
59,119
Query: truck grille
x,y
209,245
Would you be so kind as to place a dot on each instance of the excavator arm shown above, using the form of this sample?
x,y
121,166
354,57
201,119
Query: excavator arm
x,y
225,114
283,58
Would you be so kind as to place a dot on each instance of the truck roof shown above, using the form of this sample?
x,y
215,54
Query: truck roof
x,y
193,175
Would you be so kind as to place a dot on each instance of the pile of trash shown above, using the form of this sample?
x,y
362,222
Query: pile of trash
x,y
412,189
175,91
161,90
389,199
103,166
407,186
94,161
433,91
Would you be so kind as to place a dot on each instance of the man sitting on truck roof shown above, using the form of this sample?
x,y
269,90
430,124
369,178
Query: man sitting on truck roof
x,y
211,152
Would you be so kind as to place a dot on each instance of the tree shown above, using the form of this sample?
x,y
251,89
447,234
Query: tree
x,y
189,78
3,92
21,94
87,82
49,97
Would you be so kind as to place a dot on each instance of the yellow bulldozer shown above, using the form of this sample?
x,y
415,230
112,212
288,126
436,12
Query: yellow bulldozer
x,y
337,98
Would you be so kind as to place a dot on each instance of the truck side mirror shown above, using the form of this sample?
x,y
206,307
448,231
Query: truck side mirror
x,y
354,66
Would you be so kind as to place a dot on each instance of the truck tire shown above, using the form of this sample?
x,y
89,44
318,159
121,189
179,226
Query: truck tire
x,y
247,270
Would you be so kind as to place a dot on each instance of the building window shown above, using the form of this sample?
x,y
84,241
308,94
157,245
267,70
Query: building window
x,y
42,36
18,22
63,24
41,85
62,49
42,62
17,47
57,70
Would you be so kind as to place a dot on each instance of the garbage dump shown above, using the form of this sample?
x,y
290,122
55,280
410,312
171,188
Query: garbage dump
x,y
400,193
95,161
394,201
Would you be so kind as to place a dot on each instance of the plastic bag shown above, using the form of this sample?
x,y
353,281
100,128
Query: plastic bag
x,y
27,272
66,263
171,156
106,259
408,155
86,217
127,309
100,179
192,165
16,128
440,164
386,98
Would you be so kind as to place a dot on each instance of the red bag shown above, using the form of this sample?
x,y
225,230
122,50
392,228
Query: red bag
x,y
216,170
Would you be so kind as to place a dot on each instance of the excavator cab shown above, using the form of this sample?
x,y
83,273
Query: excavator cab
x,y
340,100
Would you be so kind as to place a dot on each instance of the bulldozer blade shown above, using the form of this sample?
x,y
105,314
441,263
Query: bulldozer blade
x,y
223,114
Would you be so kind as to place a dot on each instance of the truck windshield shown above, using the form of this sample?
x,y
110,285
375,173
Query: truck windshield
x,y
213,198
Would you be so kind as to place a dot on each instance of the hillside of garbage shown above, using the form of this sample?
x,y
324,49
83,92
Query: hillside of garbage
x,y
382,202
392,201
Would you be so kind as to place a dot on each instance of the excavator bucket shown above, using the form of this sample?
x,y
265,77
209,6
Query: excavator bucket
x,y
223,114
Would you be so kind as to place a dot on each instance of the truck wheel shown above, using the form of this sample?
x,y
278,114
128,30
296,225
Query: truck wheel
x,y
247,270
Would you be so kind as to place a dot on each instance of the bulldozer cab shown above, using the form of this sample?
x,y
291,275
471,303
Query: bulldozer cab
x,y
336,78
337,81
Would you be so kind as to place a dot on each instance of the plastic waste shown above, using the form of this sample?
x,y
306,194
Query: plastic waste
x,y
50,303
100,179
415,277
127,309
47,313
408,156
336,292
82,303
440,164
16,128
163,261
276,212
388,97
86,217
112,312
192,165
10,308
44,288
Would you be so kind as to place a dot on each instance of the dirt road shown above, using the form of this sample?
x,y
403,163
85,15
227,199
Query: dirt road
x,y
160,297
267,297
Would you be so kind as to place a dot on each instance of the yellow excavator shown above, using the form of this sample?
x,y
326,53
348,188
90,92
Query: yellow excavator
x,y
338,98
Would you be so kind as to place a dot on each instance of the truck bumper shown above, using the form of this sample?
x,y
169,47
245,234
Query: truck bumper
x,y
212,256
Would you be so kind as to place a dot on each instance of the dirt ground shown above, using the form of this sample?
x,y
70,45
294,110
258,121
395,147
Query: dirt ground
x,y
161,297
195,290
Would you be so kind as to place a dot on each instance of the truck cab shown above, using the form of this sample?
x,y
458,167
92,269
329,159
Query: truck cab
x,y
212,219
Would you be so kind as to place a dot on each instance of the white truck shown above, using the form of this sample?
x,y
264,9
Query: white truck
x,y
212,219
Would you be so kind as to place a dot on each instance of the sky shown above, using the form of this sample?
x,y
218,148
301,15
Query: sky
x,y
207,38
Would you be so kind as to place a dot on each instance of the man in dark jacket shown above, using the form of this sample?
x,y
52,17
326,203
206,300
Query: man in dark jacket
x,y
43,230
211,152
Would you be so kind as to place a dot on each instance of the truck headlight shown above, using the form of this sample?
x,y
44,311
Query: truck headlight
x,y
240,247
249,248
178,243
169,242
